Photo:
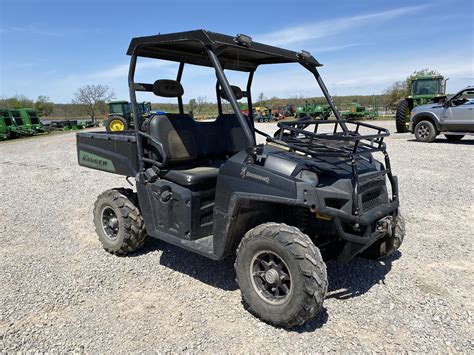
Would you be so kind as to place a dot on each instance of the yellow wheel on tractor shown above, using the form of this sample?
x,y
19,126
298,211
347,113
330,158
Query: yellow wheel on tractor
x,y
116,124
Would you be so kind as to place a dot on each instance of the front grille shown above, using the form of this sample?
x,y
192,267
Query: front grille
x,y
378,182
371,199
371,192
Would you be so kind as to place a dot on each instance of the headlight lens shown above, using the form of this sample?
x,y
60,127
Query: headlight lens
x,y
309,176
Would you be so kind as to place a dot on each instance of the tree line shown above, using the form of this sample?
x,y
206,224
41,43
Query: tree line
x,y
91,101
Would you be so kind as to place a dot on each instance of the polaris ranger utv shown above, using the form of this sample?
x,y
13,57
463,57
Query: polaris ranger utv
x,y
313,192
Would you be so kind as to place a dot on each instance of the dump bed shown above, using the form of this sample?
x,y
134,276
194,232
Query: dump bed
x,y
111,152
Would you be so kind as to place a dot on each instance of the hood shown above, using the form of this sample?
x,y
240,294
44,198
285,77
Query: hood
x,y
289,163
427,107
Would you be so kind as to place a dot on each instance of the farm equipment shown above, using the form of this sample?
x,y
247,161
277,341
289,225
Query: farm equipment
x,y
67,125
17,127
7,125
423,90
4,128
314,109
283,111
243,108
31,119
26,122
285,207
358,112
263,114
120,115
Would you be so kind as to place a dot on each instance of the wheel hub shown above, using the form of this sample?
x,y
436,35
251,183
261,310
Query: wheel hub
x,y
270,277
110,223
423,131
113,223
117,125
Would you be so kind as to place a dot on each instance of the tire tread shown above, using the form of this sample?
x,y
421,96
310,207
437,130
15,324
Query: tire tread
x,y
135,234
310,264
400,116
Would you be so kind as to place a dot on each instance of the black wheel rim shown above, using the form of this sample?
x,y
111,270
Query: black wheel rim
x,y
110,223
271,277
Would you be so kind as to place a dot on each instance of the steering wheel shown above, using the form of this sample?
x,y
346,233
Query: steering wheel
x,y
460,101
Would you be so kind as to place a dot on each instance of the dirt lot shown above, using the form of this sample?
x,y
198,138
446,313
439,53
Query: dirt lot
x,y
60,291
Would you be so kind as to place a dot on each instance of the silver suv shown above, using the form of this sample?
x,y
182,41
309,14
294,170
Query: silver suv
x,y
453,117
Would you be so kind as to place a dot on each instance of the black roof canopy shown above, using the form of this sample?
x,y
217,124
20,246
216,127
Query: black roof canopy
x,y
190,47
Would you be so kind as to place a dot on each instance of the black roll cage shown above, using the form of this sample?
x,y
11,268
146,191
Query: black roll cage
x,y
222,84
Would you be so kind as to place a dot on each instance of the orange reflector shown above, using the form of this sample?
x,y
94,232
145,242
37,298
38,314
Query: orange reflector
x,y
323,216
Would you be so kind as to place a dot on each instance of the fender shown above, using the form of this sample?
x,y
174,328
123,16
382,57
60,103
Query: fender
x,y
424,115
224,227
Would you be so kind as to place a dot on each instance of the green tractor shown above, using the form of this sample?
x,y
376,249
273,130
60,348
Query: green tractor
x,y
423,90
314,109
15,124
31,119
358,112
120,115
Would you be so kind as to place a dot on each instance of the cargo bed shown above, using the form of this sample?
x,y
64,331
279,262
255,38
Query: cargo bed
x,y
111,152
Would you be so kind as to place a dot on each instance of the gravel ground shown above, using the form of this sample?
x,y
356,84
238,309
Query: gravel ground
x,y
60,291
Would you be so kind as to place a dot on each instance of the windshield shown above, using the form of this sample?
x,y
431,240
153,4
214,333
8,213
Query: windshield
x,y
119,108
425,87
144,107
465,97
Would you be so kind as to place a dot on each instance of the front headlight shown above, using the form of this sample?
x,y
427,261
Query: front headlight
x,y
309,176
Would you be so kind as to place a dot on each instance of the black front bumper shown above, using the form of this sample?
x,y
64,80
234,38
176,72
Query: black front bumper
x,y
369,221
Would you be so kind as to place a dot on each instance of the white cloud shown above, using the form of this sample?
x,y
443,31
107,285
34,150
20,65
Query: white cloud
x,y
339,47
121,70
292,81
31,29
322,29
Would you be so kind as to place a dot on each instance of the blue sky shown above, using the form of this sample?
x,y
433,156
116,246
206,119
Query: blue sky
x,y
50,47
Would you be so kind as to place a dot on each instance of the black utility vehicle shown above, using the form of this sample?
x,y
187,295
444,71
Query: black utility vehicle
x,y
312,193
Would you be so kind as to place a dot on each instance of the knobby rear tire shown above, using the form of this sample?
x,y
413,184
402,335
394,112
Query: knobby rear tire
x,y
131,232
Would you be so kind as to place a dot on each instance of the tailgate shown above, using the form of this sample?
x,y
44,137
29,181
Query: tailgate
x,y
111,152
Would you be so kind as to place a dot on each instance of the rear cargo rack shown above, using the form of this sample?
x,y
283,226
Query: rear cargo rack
x,y
305,136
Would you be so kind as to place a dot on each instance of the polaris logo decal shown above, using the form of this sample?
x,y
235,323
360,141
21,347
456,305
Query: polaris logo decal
x,y
244,173
94,161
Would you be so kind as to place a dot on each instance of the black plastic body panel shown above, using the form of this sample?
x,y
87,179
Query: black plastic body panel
x,y
176,210
206,220
237,177
111,152
178,215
